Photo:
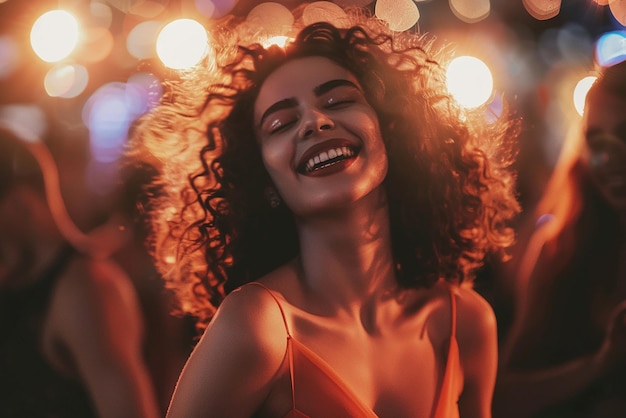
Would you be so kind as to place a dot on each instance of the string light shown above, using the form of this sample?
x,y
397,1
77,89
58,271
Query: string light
x,y
95,38
618,9
400,15
469,80
470,11
580,92
54,35
542,9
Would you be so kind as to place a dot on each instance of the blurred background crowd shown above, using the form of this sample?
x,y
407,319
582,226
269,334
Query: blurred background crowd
x,y
76,74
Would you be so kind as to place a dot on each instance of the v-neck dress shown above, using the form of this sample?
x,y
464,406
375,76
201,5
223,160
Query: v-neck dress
x,y
314,382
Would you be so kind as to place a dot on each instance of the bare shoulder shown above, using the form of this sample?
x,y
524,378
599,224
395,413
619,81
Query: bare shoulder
x,y
475,316
478,351
471,304
477,341
237,360
88,284
94,295
252,306
251,316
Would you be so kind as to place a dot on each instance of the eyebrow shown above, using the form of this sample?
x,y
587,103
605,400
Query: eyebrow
x,y
318,91
333,84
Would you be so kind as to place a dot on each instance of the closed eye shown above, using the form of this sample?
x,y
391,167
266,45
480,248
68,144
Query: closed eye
x,y
342,94
279,125
280,120
338,104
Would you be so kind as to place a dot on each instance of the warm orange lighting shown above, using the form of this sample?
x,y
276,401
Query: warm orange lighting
x,y
400,15
54,35
580,92
182,44
469,80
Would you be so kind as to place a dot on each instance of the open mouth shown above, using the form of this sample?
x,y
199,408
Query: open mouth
x,y
321,158
329,158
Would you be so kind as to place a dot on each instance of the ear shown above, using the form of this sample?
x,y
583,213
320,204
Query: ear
x,y
272,197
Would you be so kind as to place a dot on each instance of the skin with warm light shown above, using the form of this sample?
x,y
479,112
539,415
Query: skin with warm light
x,y
371,162
90,330
605,134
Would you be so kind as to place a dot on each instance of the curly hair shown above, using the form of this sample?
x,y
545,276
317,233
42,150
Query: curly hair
x,y
450,187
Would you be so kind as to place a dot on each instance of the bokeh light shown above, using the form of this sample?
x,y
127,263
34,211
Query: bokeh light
x,y
542,9
214,8
469,81
182,44
110,111
54,35
618,9
324,11
580,93
470,11
353,3
107,117
400,15
143,92
611,48
537,64
100,14
66,80
27,121
574,43
494,109
147,9
272,18
140,42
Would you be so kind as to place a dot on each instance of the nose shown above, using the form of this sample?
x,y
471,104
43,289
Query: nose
x,y
313,122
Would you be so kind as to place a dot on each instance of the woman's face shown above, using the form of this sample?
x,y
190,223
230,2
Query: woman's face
x,y
605,135
320,139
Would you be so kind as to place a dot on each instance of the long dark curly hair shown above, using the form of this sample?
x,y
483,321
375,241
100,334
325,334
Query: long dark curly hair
x,y
449,184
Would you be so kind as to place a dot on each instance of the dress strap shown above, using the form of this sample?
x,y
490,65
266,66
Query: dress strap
x,y
453,313
289,346
280,307
445,405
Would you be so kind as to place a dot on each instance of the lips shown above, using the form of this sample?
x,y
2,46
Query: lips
x,y
327,157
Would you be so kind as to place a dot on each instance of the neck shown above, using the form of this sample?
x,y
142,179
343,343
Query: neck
x,y
346,256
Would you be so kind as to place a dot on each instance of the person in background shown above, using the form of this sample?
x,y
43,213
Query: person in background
x,y
168,339
72,330
565,355
328,239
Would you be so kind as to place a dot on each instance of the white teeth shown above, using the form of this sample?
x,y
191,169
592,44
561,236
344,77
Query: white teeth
x,y
324,156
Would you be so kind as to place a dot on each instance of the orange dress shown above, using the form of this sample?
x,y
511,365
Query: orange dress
x,y
312,377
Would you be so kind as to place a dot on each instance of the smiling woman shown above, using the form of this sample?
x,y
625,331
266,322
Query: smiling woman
x,y
307,111
337,206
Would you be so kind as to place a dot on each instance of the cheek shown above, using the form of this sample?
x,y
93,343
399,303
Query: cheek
x,y
277,156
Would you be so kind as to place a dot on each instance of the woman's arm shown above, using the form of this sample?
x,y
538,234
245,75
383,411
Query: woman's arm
x,y
478,350
233,367
96,317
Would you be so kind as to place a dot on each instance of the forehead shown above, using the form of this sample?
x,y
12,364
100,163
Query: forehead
x,y
298,78
604,111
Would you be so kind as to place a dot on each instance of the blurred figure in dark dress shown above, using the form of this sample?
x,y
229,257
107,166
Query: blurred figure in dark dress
x,y
71,329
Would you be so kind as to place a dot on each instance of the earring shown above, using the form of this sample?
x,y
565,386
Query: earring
x,y
272,197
